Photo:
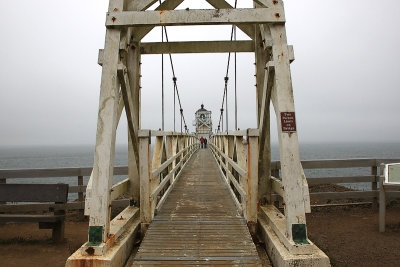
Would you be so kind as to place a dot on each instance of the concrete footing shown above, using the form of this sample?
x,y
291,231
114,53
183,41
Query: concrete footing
x,y
281,255
126,226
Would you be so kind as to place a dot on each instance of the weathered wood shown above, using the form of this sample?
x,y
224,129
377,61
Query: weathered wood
x,y
239,133
33,207
139,32
98,198
81,189
56,193
197,47
337,163
196,223
133,58
140,4
55,172
252,184
195,17
242,172
129,109
24,218
338,180
222,4
282,98
119,189
34,192
146,214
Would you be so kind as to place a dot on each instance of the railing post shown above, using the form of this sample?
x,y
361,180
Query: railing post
x,y
146,215
252,181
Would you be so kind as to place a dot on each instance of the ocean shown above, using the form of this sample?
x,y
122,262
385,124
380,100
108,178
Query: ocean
x,y
24,157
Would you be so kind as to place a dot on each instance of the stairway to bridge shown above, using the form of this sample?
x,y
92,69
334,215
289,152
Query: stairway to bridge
x,y
198,224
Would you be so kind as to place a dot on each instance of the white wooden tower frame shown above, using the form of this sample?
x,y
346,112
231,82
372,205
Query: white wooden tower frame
x,y
127,22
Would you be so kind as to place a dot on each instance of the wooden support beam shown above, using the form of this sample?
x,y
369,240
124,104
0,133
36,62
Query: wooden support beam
x,y
195,17
133,66
197,47
128,102
139,32
98,201
295,197
222,4
140,4
265,80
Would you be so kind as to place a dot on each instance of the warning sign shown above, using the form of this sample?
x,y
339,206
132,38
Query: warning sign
x,y
288,122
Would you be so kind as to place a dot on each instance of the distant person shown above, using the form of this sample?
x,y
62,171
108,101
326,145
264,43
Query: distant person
x,y
201,142
205,142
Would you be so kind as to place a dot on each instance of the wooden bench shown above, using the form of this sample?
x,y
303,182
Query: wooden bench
x,y
56,193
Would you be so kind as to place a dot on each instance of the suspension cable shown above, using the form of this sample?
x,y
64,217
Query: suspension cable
x,y
225,95
162,80
176,91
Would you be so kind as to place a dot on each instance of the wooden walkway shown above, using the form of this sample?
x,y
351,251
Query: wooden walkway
x,y
198,224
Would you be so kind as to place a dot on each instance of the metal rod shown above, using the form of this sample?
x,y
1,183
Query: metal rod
x,y
162,82
234,34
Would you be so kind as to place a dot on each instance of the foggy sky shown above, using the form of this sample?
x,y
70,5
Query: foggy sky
x,y
345,76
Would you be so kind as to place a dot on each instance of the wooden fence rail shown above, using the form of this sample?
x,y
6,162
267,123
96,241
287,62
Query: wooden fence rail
x,y
7,175
358,195
229,167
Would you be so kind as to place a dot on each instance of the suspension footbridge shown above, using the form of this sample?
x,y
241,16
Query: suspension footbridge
x,y
194,206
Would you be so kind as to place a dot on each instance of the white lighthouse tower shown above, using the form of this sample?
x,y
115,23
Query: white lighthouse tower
x,y
203,123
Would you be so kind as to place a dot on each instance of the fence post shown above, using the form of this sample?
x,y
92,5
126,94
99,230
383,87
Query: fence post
x,y
374,184
3,181
81,215
382,201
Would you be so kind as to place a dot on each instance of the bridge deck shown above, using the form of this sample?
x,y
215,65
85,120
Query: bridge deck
x,y
198,224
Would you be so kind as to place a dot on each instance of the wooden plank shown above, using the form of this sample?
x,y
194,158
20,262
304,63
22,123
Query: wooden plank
x,y
277,186
119,189
195,17
338,180
337,163
34,192
55,172
197,47
343,195
31,218
196,223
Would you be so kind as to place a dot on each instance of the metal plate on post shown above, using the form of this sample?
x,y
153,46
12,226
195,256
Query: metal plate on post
x,y
288,122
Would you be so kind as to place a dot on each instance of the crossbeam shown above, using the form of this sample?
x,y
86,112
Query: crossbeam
x,y
197,47
195,17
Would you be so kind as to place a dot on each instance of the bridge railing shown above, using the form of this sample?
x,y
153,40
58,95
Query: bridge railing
x,y
236,153
338,166
159,172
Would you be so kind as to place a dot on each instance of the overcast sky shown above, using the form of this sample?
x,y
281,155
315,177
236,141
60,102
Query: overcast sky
x,y
345,77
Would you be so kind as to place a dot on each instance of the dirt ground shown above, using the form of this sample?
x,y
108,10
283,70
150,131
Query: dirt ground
x,y
348,235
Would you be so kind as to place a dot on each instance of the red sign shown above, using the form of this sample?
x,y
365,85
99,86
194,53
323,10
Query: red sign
x,y
288,122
